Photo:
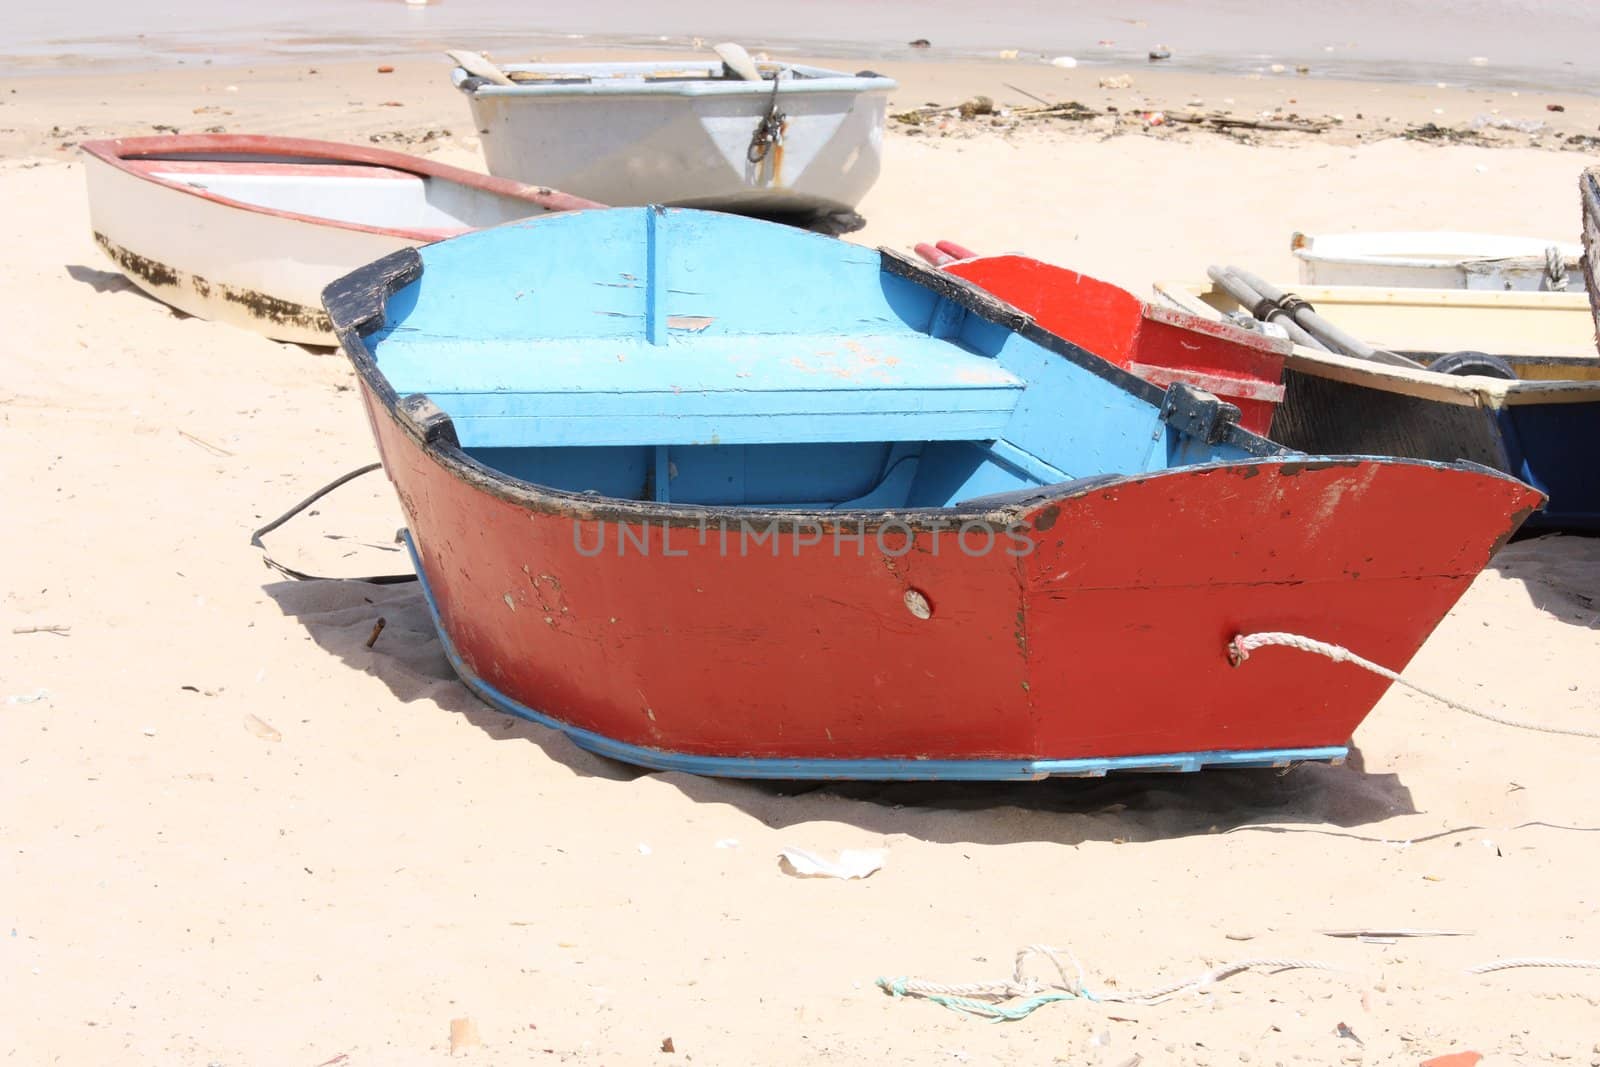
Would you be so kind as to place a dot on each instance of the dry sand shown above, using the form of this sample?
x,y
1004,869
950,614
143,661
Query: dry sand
x,y
234,834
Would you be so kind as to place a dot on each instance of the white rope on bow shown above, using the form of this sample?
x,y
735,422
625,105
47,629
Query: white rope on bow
x,y
1242,645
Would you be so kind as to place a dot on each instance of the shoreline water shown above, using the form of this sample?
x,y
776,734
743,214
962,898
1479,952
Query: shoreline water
x,y
413,105
1541,48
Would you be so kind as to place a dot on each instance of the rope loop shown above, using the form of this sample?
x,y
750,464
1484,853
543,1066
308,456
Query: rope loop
x,y
1555,269
769,131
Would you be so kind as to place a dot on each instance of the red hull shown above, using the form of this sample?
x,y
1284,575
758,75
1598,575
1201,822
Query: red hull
x,y
1108,640
1158,344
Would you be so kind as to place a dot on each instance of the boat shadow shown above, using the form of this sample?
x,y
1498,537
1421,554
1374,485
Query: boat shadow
x,y
104,281
1561,573
340,617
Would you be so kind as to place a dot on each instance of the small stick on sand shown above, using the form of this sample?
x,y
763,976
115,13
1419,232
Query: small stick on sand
x,y
216,450
1391,932
1024,92
377,628
60,631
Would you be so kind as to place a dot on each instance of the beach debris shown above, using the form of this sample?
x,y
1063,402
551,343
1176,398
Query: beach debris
x,y
1116,81
1555,107
342,1057
1239,936
1195,101
1008,53
1345,1032
230,88
1393,932
1466,1058
852,863
464,1036
215,450
1024,92
38,696
387,69
920,42
1302,70
727,842
644,849
149,731
50,628
1479,61
409,136
1277,68
1160,52
667,1046
1064,62
978,105
377,628
1431,131
941,117
1491,122
1022,994
262,729
391,103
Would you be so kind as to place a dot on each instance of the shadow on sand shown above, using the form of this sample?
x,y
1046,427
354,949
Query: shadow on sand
x,y
1561,573
103,281
407,656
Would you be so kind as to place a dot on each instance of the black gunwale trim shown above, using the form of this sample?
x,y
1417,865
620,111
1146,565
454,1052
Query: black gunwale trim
x,y
357,302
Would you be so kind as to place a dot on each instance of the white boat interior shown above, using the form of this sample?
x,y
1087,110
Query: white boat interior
x,y
353,193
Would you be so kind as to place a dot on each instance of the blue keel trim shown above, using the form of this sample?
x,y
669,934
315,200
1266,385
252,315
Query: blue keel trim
x,y
905,770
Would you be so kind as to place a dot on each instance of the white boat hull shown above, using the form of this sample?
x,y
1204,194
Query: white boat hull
x,y
687,143
261,272
249,230
1437,260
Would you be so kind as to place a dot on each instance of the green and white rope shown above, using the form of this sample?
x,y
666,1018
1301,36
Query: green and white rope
x,y
988,999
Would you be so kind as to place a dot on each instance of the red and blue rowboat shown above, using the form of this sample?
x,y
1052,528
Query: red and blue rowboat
x,y
716,495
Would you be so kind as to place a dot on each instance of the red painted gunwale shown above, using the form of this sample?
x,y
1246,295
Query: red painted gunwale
x,y
1109,640
1158,344
125,153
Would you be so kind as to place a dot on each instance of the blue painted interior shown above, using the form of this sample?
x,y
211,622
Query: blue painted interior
x,y
1539,441
702,358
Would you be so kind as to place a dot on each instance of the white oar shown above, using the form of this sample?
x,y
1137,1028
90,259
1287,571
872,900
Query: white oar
x,y
478,66
736,59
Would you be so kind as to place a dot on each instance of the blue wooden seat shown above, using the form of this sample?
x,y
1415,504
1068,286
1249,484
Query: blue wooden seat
x,y
616,343
741,389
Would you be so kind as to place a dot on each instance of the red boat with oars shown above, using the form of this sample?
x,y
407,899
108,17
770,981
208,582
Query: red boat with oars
x,y
1160,345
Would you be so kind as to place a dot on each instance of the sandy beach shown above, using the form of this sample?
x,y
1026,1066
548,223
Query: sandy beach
x,y
236,834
